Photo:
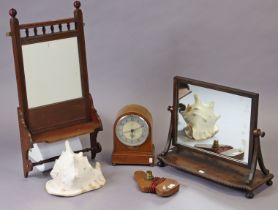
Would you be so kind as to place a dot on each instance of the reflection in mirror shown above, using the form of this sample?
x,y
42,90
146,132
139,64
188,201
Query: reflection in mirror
x,y
52,71
214,121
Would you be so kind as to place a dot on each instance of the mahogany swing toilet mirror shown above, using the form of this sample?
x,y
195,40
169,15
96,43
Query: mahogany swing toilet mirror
x,y
52,80
214,135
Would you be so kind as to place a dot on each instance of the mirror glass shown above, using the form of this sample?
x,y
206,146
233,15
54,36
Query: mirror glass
x,y
52,71
214,121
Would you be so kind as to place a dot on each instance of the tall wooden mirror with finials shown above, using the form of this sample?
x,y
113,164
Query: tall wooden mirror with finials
x,y
213,134
52,81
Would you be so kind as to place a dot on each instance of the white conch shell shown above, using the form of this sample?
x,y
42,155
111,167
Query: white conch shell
x,y
200,119
72,174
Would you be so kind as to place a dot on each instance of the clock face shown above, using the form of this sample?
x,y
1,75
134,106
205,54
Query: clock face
x,y
132,130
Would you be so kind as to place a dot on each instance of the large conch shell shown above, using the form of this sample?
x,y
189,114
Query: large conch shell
x,y
72,174
200,119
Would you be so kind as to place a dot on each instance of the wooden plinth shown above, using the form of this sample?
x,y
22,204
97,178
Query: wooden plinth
x,y
218,171
127,158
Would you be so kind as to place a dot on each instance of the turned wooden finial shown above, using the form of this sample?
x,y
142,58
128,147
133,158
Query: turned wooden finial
x,y
12,12
77,4
170,108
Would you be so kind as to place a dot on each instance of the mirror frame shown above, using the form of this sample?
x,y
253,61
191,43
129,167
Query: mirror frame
x,y
49,117
253,118
61,120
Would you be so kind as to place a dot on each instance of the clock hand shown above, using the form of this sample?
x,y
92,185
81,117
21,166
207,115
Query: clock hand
x,y
137,128
132,130
131,135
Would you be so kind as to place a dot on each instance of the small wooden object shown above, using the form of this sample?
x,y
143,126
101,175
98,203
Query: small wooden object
x,y
57,121
226,150
133,145
212,166
163,187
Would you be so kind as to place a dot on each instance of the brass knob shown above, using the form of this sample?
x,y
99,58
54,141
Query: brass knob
x,y
149,175
8,34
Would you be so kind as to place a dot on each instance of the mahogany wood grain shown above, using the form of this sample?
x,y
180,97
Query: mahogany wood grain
x,y
57,115
47,23
58,121
215,170
67,132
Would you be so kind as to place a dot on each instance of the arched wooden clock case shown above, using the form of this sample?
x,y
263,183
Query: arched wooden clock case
x,y
138,155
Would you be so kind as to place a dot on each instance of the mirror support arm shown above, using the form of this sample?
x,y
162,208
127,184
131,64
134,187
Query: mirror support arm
x,y
257,155
170,133
260,156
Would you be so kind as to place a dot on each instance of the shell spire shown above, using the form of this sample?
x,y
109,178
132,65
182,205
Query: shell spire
x,y
68,148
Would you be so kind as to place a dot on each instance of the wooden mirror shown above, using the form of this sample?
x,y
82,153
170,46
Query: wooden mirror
x,y
52,82
214,135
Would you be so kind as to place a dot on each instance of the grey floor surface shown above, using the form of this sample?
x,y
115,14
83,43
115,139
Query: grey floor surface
x,y
121,191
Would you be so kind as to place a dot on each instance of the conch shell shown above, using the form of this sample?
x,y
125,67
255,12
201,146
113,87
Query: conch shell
x,y
200,119
72,174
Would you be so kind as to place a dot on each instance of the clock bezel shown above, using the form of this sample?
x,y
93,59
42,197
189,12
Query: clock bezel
x,y
137,116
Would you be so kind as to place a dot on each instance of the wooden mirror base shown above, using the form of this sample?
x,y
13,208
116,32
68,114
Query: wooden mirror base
x,y
215,170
